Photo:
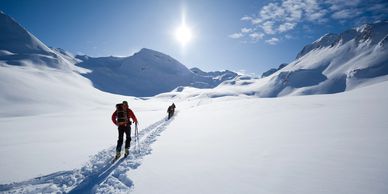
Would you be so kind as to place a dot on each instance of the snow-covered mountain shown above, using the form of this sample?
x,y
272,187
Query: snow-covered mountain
x,y
19,47
36,79
273,70
333,63
217,76
146,73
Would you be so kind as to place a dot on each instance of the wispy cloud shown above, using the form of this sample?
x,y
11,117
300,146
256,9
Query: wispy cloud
x,y
346,14
246,18
246,30
236,35
256,36
286,27
279,17
272,41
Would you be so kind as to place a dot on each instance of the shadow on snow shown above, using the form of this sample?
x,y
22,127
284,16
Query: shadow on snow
x,y
99,175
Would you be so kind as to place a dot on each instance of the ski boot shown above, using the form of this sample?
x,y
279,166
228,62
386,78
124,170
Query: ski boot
x,y
126,152
118,154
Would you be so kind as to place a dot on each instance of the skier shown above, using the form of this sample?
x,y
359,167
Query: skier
x,y
171,110
121,118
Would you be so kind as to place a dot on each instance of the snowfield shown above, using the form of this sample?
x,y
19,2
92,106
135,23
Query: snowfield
x,y
307,144
311,144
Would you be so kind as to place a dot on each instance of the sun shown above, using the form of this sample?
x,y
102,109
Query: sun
x,y
183,34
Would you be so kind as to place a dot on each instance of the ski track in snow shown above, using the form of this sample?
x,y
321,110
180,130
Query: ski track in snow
x,y
99,175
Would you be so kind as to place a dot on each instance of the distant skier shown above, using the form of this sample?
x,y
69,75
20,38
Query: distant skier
x,y
171,110
121,118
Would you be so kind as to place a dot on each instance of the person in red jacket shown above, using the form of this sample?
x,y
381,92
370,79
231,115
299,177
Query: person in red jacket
x,y
121,118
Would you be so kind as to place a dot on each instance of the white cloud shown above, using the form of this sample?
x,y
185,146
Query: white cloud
x,y
340,4
256,21
317,16
279,17
272,11
294,10
236,35
246,18
379,7
286,27
345,14
246,30
268,27
256,36
272,41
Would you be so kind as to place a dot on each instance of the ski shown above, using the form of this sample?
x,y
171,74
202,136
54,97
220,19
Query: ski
x,y
115,159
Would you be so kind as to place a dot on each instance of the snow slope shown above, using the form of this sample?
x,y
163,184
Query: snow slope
x,y
332,64
20,48
309,144
35,79
273,70
146,73
216,76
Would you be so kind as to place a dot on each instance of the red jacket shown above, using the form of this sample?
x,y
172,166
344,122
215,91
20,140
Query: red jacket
x,y
130,115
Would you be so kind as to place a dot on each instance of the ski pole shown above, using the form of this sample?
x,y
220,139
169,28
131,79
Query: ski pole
x,y
136,132
137,137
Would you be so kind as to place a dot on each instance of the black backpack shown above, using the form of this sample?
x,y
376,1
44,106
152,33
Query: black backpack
x,y
122,114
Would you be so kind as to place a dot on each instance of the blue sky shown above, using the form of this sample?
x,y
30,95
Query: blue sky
x,y
242,35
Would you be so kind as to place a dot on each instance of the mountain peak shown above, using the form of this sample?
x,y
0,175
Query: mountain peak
x,y
147,51
16,39
373,33
327,38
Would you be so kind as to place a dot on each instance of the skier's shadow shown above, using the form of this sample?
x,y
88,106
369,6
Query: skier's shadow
x,y
87,185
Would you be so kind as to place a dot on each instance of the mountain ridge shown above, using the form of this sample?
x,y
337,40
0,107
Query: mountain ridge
x,y
331,64
146,73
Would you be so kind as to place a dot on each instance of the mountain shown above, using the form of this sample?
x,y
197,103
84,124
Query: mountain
x,y
31,72
19,47
273,70
334,63
146,73
216,76
36,79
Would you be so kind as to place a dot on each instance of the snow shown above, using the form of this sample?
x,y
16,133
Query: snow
x,y
14,38
311,144
306,144
146,73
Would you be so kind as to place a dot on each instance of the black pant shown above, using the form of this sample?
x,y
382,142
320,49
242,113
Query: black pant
x,y
127,131
170,114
